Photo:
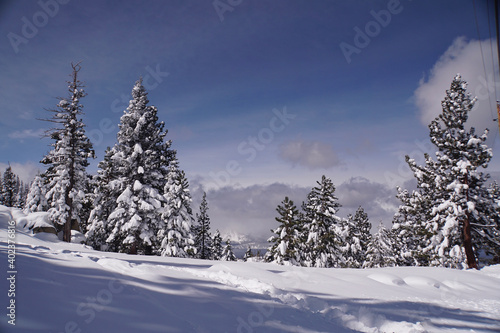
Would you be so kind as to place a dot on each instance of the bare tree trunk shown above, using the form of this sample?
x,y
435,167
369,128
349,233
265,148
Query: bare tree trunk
x,y
67,224
133,249
469,250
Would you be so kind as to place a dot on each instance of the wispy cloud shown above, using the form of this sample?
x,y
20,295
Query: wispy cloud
x,y
251,210
255,205
310,154
27,134
377,199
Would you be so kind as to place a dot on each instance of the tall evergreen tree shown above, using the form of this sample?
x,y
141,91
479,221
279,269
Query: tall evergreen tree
x,y
68,158
139,164
379,251
469,216
24,195
217,248
323,227
411,228
178,240
106,191
203,240
36,201
285,243
20,197
459,216
9,188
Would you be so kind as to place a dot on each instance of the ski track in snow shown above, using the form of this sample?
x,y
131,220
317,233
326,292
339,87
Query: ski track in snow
x,y
222,273
402,300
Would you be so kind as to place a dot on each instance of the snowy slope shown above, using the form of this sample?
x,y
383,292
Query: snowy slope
x,y
64,287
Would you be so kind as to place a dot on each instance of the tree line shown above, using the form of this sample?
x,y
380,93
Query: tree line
x,y
13,191
139,201
452,218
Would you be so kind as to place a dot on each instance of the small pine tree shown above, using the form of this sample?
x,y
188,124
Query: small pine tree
x,y
178,240
411,228
36,201
1,189
248,254
217,248
285,243
20,198
357,239
379,251
203,240
9,188
227,253
323,227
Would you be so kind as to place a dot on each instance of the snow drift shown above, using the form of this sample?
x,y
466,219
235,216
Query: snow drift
x,y
63,287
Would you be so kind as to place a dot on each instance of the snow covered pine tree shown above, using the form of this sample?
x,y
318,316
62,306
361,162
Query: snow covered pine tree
x,y
106,190
323,227
178,240
379,251
138,169
285,242
217,247
36,201
68,159
227,253
453,208
1,189
203,240
248,254
9,188
357,238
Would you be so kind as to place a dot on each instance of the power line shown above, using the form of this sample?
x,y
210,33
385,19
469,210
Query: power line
x,y
482,56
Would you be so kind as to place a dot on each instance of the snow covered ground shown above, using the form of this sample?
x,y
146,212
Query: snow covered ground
x,y
61,287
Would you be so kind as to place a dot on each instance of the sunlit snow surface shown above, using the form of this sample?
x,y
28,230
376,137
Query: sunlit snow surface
x,y
63,287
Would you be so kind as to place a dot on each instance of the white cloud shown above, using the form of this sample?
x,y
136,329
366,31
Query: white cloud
x,y
377,199
249,210
27,133
465,58
26,171
311,154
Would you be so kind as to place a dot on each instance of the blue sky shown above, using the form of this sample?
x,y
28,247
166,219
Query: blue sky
x,y
258,96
